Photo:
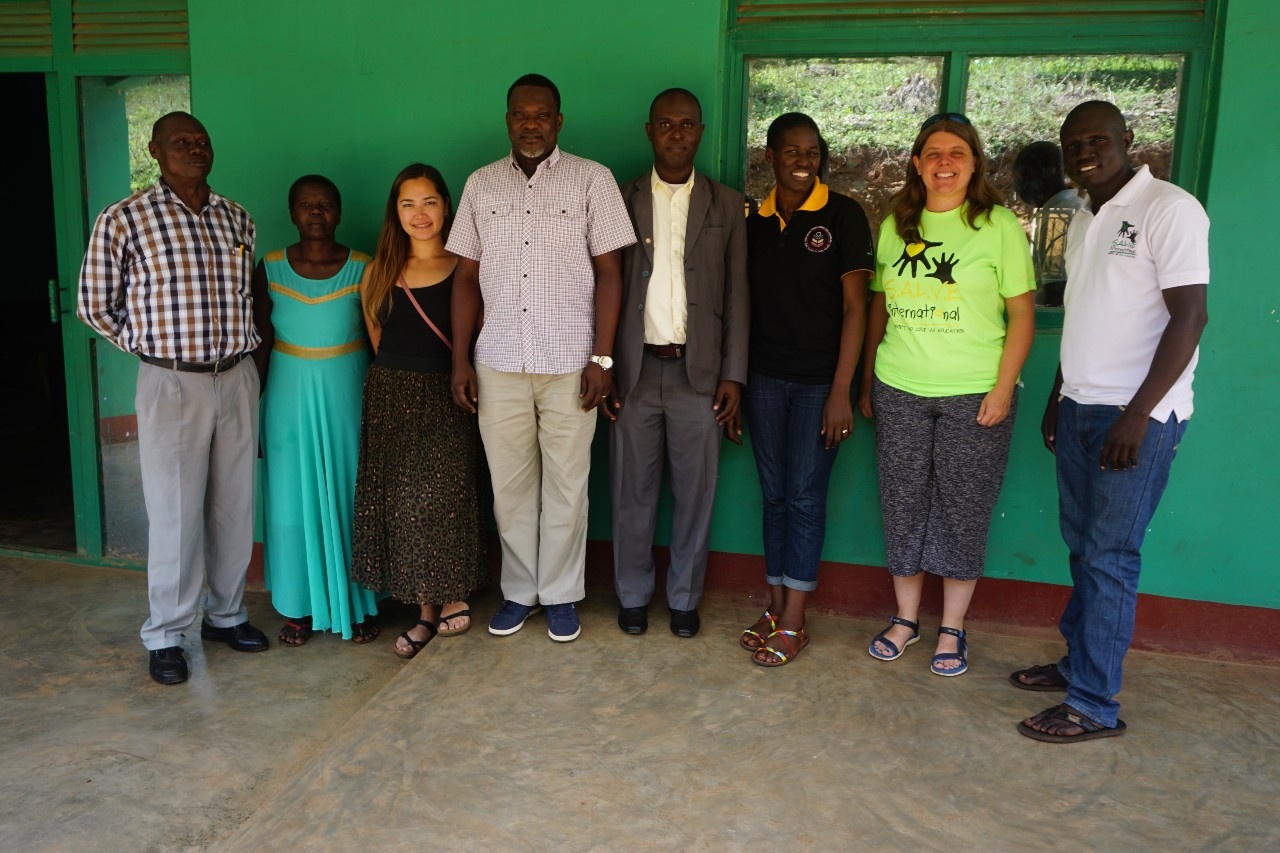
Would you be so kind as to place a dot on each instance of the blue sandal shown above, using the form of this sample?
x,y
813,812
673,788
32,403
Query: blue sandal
x,y
897,652
962,655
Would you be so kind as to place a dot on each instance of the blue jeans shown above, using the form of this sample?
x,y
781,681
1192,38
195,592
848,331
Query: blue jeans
x,y
1104,515
785,419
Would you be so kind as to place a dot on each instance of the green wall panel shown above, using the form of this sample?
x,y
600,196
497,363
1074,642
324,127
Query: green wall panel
x,y
357,92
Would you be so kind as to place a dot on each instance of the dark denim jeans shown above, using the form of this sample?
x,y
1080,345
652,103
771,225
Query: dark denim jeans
x,y
1104,515
785,420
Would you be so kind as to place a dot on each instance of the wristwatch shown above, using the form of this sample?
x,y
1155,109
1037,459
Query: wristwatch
x,y
605,362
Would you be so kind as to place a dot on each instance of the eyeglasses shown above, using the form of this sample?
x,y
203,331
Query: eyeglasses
x,y
958,118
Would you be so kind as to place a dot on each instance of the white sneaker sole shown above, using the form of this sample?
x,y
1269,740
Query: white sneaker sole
x,y
565,638
507,632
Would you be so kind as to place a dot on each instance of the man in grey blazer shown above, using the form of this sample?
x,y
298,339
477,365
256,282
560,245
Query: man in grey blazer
x,y
680,362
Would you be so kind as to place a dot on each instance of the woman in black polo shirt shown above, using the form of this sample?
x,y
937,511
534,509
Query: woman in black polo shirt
x,y
809,258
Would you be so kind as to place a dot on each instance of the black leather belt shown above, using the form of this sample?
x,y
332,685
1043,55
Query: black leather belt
x,y
222,365
665,350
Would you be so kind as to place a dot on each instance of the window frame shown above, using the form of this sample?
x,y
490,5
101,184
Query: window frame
x,y
956,37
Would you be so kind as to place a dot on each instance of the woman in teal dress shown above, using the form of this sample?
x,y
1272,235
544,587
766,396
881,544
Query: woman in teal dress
x,y
312,361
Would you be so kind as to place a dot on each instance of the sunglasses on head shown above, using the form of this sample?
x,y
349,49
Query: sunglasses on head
x,y
958,118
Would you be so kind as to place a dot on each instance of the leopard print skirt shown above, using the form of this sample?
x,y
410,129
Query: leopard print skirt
x,y
417,533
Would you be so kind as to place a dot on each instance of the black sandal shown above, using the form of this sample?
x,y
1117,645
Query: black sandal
x,y
1048,671
365,632
1088,729
416,645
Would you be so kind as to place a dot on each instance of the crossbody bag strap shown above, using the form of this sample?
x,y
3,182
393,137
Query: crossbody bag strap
x,y
408,291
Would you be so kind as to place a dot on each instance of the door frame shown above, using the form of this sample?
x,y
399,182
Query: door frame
x,y
63,64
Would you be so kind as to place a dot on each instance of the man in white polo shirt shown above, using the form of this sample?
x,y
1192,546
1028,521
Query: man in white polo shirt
x,y
1135,306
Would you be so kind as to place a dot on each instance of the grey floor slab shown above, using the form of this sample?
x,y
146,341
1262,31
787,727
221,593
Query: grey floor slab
x,y
609,742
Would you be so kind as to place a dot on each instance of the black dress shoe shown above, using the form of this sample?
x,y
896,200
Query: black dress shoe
x,y
243,637
168,666
633,620
685,623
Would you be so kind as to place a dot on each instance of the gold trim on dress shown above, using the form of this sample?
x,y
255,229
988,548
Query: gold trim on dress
x,y
313,300
319,352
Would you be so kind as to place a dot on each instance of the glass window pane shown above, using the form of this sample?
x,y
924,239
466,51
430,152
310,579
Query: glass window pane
x,y
868,110
1014,101
116,114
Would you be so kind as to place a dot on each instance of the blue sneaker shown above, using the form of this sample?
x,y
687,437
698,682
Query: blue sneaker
x,y
562,622
510,617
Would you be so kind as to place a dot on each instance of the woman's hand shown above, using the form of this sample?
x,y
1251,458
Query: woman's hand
x,y
837,418
864,401
995,407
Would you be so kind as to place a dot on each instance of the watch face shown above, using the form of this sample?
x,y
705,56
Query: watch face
x,y
604,361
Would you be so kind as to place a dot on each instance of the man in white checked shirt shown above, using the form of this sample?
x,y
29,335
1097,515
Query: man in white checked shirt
x,y
167,277
538,235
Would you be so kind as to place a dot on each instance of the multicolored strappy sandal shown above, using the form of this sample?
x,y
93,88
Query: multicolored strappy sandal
x,y
752,640
792,642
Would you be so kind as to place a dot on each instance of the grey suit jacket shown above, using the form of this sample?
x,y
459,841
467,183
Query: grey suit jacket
x,y
715,278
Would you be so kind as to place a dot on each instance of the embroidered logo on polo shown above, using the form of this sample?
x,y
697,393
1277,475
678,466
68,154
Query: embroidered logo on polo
x,y
818,239
1125,243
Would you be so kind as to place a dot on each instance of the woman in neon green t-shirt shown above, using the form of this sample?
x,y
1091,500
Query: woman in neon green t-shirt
x,y
950,325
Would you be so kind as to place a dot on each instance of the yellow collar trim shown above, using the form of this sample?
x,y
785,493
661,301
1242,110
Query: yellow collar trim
x,y
816,201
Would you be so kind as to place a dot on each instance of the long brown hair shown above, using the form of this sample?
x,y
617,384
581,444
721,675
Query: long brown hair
x,y
907,203
392,252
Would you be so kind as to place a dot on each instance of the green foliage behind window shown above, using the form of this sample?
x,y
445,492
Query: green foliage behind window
x,y
144,103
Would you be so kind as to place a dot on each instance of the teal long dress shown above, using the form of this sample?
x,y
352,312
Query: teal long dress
x,y
311,444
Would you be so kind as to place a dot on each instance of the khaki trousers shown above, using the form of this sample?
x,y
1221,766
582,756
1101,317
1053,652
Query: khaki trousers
x,y
538,443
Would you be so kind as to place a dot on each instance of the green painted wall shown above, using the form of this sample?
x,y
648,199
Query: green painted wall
x,y
358,92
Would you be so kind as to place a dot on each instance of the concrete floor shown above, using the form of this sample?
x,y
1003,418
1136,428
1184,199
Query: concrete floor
x,y
645,743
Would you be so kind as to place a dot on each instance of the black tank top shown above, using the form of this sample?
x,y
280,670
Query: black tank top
x,y
407,341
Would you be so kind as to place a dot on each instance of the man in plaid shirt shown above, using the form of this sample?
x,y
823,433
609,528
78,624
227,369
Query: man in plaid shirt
x,y
538,235
167,277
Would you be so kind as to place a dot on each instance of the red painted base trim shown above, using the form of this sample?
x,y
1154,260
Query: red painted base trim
x,y
118,430
1204,629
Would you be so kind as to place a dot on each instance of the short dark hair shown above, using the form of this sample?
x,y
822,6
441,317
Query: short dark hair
x,y
675,90
539,81
1106,108
320,181
787,122
155,128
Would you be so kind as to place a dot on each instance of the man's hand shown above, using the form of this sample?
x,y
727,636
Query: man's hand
x,y
597,384
1049,424
728,409
463,385
1120,450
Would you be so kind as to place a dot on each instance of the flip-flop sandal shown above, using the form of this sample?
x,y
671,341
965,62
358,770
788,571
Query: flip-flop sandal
x,y
752,640
961,654
365,632
416,645
792,642
1049,671
452,632
1089,730
296,632
882,639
